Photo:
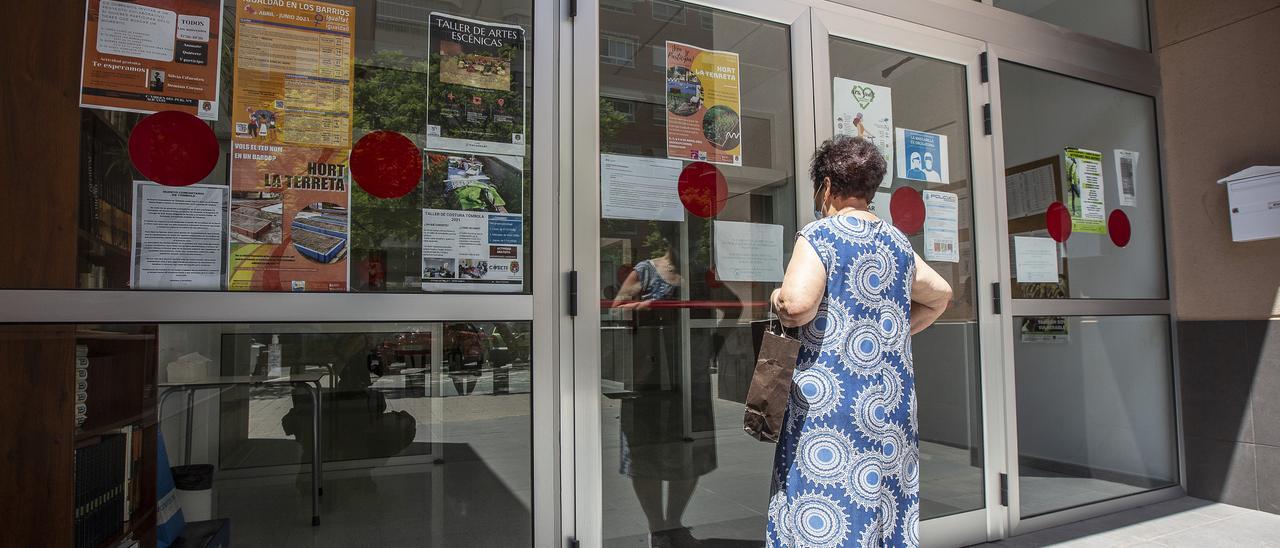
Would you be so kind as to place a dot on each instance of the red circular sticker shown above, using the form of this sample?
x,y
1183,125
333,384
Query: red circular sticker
x,y
386,164
1058,220
907,209
173,148
1118,227
703,189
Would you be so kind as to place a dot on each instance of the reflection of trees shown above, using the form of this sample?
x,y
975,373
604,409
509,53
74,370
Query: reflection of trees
x,y
611,122
390,93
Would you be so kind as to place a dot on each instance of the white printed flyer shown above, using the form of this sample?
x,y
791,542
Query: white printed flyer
x,y
472,251
179,236
941,222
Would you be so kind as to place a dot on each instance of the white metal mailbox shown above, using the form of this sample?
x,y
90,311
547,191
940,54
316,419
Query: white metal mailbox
x,y
1253,198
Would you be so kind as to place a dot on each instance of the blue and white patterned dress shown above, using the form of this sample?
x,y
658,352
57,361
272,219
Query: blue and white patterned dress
x,y
847,466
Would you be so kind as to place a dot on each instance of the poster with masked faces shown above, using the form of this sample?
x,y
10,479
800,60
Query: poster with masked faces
x,y
922,156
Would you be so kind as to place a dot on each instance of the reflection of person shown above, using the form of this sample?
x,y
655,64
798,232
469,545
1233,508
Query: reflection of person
x,y
916,169
361,425
848,457
930,171
654,422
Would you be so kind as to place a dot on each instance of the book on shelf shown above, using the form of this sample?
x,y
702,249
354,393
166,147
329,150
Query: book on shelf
x,y
107,485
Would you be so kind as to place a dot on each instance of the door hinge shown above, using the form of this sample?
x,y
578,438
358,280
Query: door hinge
x,y
573,542
573,8
1004,489
573,293
995,297
986,119
984,73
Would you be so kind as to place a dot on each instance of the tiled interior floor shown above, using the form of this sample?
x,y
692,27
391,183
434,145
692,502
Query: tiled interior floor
x,y
1184,522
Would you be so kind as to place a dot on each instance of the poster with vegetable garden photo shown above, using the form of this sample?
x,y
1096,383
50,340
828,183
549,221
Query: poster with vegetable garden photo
x,y
476,98
704,105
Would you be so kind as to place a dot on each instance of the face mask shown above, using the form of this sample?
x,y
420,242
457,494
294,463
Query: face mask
x,y
817,213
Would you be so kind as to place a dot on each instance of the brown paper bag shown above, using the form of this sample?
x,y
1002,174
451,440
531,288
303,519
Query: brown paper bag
x,y
776,354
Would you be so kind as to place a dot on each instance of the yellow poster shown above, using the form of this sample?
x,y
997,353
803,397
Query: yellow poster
x,y
291,116
704,105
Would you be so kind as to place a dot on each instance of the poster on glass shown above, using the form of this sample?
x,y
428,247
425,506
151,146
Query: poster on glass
x,y
922,156
476,100
290,142
1084,190
472,251
865,110
151,55
704,105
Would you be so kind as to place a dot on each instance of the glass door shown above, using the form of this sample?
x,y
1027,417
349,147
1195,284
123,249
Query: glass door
x,y
691,137
917,94
1091,389
685,209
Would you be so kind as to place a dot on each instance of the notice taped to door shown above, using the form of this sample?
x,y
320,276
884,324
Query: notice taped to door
x,y
704,105
152,55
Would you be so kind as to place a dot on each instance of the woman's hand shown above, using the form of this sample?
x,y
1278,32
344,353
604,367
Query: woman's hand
x,y
930,295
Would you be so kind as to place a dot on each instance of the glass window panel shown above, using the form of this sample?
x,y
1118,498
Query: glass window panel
x,y
930,95
1122,21
1095,411
668,12
424,431
381,238
1044,113
675,373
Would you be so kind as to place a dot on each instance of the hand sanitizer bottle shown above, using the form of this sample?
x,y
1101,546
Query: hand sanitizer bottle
x,y
274,366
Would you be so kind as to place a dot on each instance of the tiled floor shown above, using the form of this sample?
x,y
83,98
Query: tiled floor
x,y
1187,521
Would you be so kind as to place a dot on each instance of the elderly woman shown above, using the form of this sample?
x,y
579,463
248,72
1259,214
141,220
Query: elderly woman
x,y
847,467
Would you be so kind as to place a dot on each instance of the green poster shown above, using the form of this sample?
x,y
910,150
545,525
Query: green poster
x,y
1084,190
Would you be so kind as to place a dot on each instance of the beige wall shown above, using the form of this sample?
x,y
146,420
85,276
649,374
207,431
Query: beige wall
x,y
1220,66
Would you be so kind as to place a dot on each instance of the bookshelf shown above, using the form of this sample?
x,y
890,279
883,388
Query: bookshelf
x,y
117,437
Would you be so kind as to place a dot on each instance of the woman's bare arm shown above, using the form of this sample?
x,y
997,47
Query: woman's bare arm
x,y
796,302
630,291
930,295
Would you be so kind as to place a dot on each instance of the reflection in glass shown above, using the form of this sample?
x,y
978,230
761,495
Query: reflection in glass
x,y
1095,410
930,95
1046,113
424,429
1121,21
675,340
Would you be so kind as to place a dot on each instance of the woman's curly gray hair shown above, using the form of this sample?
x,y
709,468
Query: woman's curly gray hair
x,y
854,165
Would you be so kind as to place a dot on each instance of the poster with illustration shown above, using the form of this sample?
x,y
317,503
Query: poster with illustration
x,y
152,55
472,251
474,182
477,84
290,142
704,105
1084,190
865,110
922,156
